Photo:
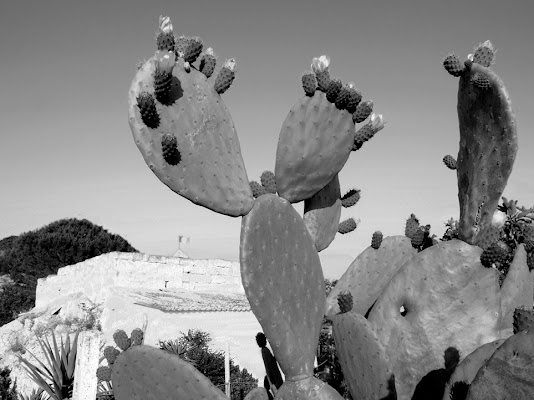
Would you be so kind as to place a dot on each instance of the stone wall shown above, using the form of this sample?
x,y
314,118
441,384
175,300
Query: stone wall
x,y
95,276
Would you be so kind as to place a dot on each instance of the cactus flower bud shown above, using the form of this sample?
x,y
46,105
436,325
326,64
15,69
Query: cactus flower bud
x,y
320,64
165,24
376,122
230,64
470,57
210,52
165,61
499,218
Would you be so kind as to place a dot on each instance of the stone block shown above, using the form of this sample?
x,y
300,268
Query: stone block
x,y
87,357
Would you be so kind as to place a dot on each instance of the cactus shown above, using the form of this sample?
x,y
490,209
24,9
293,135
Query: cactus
x,y
315,141
450,162
271,366
137,337
111,354
523,319
322,213
209,170
488,144
122,340
208,61
467,369
508,373
309,83
483,54
103,373
361,355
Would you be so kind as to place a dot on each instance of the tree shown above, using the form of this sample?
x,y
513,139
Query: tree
x,y
39,253
211,363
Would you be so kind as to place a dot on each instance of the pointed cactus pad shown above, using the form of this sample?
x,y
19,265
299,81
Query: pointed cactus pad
x,y
191,144
284,283
147,373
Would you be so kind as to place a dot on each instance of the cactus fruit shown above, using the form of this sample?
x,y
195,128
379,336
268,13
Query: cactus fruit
x,y
523,319
322,212
350,198
418,237
103,373
145,372
480,80
225,77
165,38
363,110
169,149
449,162
484,54
268,181
180,45
284,283
347,226
111,354
193,50
488,147
412,226
210,172
257,189
137,337
508,373
342,99
376,240
495,253
164,61
355,96
362,357
122,340
320,68
333,90
208,61
453,65
369,273
467,369
271,366
309,83
366,132
147,109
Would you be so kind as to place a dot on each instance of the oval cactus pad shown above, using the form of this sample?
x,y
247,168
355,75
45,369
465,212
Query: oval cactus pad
x,y
146,373
322,212
488,147
314,144
283,281
194,149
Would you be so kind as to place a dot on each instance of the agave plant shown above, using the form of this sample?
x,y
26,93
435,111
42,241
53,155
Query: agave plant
x,y
60,368
36,394
178,348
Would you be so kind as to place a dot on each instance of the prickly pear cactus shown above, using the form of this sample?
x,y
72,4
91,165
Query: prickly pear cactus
x,y
187,137
362,357
488,143
322,212
142,373
284,284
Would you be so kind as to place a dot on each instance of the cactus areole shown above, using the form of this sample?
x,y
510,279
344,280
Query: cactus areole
x,y
488,147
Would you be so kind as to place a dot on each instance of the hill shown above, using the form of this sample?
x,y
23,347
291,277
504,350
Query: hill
x,y
39,253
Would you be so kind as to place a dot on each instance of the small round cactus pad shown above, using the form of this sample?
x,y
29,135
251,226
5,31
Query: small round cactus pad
x,y
191,144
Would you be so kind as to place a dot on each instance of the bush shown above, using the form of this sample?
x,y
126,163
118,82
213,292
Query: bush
x,y
211,363
7,393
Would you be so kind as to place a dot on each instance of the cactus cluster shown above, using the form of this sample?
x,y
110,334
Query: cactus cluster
x,y
418,294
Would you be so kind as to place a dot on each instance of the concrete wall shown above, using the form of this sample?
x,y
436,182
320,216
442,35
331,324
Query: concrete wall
x,y
95,276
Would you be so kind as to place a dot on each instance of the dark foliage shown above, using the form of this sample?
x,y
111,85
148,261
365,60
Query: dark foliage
x,y
39,253
211,364
7,393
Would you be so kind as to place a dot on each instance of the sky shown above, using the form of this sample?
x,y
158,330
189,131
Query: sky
x,y
67,150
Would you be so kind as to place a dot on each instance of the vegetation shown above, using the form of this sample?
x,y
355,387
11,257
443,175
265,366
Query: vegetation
x,y
193,347
39,253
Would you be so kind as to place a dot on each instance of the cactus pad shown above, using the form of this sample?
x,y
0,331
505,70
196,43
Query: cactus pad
x,y
111,354
369,273
345,302
322,212
523,319
309,83
307,389
350,198
484,54
284,283
315,142
488,147
122,340
103,373
137,336
257,189
453,65
507,375
193,49
469,366
148,373
210,171
347,226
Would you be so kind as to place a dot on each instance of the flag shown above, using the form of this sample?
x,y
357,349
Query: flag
x,y
183,239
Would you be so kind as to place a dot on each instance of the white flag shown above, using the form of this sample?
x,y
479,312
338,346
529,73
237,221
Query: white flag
x,y
184,239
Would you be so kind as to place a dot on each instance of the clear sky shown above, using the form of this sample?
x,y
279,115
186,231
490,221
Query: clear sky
x,y
67,151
